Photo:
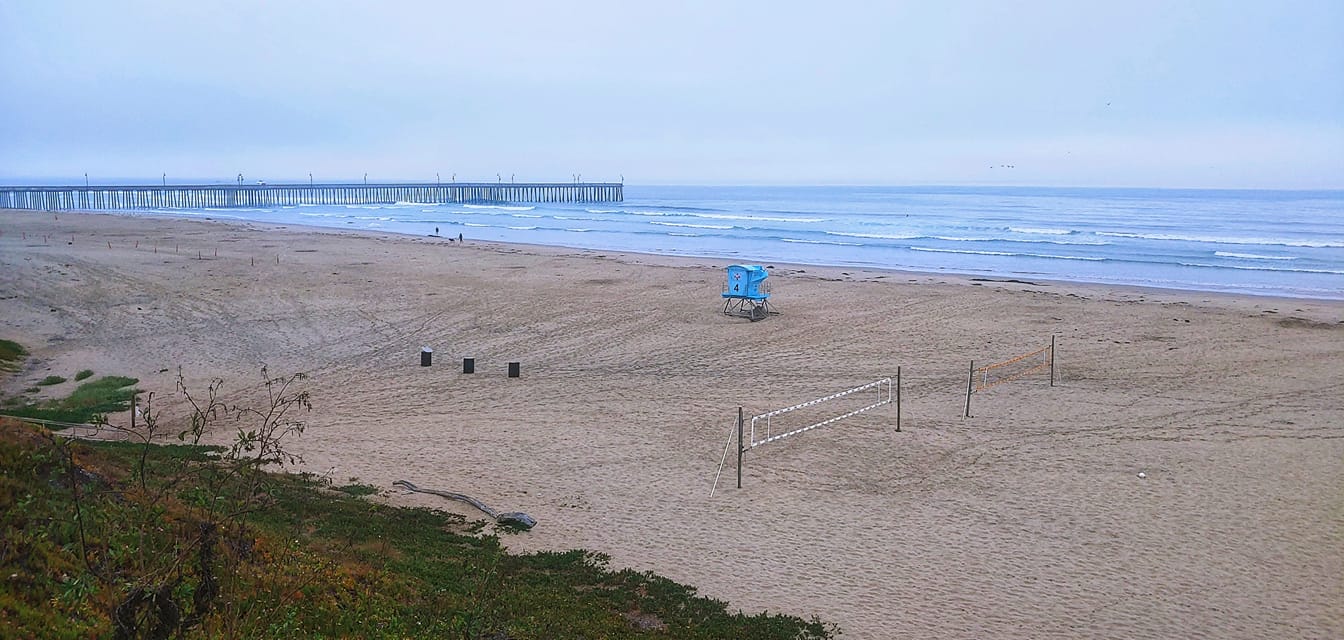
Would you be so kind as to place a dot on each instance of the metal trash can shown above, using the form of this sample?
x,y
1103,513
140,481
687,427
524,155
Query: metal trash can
x,y
468,365
514,369
426,356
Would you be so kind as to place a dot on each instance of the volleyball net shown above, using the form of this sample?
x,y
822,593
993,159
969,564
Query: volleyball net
x,y
777,425
767,421
991,375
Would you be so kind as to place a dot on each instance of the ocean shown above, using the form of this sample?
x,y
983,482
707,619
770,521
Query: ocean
x,y
1277,243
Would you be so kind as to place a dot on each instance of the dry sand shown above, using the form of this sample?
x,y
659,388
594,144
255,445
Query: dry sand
x,y
1027,520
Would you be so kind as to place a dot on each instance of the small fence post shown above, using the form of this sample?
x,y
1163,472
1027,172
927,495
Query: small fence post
x,y
970,381
739,447
1052,359
898,399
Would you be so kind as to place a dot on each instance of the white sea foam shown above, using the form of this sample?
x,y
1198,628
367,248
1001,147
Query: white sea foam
x,y
497,206
524,215
964,239
522,228
876,236
1286,242
473,224
1251,256
839,244
1257,268
683,235
980,253
602,211
725,216
693,226
411,203
1041,231
579,230
1008,253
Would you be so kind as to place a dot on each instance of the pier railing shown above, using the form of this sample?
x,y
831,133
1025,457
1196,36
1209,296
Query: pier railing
x,y
270,195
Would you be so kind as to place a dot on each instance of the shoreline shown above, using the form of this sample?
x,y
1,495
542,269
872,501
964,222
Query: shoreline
x,y
1026,519
1125,291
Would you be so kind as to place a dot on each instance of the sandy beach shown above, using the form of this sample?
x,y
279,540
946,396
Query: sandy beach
x,y
1027,520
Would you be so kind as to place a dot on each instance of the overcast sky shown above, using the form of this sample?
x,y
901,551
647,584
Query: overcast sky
x,y
1070,93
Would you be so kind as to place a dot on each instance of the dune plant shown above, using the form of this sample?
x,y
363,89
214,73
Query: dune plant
x,y
11,355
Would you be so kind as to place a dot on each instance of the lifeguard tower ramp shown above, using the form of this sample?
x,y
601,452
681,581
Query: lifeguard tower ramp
x,y
745,293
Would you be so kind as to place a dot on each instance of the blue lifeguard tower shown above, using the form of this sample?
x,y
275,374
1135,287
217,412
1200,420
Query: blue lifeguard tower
x,y
746,294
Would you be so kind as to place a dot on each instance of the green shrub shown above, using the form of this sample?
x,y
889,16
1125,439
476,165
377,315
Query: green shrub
x,y
50,380
83,374
109,394
357,489
11,353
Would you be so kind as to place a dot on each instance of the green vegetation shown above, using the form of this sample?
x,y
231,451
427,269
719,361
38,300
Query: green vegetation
x,y
105,395
50,380
356,489
138,540
86,373
11,355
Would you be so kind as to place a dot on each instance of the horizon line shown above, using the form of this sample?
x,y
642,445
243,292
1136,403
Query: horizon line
x,y
40,182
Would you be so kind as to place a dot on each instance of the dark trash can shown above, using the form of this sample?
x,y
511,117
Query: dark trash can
x,y
514,369
468,365
426,356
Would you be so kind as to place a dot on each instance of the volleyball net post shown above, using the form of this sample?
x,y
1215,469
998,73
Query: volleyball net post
x,y
898,399
1052,359
740,447
970,385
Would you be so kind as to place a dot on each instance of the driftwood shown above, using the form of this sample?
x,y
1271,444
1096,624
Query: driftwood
x,y
512,519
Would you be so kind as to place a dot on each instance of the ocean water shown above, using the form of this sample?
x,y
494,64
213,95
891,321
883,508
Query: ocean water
x,y
1281,243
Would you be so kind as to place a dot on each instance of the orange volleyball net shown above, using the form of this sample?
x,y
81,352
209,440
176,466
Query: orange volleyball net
x,y
991,375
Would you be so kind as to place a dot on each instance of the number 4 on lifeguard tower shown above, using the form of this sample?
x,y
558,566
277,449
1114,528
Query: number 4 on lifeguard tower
x,y
746,294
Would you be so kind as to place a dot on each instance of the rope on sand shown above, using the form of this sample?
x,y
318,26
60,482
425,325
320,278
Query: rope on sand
x,y
512,519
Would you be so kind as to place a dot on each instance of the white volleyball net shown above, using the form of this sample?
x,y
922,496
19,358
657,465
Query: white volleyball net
x,y
790,421
775,425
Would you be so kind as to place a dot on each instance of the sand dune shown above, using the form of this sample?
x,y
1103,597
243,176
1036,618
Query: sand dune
x,y
1026,520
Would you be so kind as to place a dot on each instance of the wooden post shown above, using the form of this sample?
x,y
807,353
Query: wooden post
x,y
133,408
1052,359
898,399
739,447
970,381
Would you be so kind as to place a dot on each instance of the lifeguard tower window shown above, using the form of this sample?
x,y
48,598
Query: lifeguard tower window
x,y
745,293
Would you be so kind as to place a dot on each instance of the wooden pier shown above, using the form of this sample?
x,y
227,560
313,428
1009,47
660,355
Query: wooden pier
x,y
125,198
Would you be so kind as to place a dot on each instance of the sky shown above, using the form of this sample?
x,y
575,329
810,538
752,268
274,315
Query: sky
x,y
1139,93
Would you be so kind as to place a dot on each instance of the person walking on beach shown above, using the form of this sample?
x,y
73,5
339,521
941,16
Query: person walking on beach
x,y
459,237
